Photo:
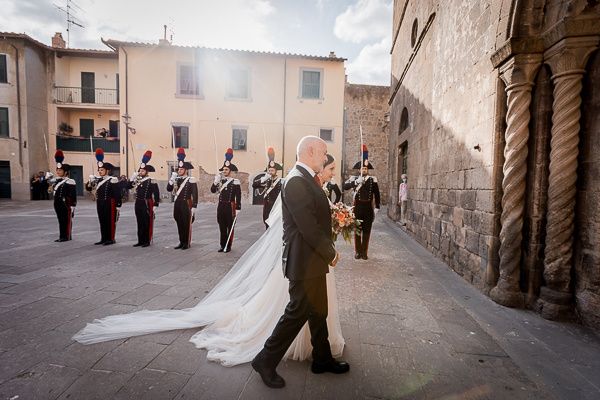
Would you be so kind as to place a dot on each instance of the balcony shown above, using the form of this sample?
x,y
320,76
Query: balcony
x,y
86,96
87,145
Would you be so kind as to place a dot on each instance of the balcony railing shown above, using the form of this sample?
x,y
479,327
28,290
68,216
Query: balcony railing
x,y
82,95
85,145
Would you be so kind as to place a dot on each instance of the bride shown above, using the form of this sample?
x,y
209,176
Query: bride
x,y
240,312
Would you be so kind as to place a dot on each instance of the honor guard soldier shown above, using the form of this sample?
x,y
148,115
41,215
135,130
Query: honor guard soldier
x,y
366,192
65,197
107,191
185,189
230,199
270,183
147,198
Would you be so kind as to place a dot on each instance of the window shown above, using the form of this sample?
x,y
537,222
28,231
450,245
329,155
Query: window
x,y
3,69
310,83
239,84
403,120
4,132
86,127
326,134
113,128
239,138
188,80
414,33
181,136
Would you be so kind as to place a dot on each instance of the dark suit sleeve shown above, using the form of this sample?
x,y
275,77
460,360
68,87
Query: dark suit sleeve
x,y
194,195
88,186
377,195
237,193
155,194
169,187
129,185
349,185
338,193
214,188
72,195
258,184
302,209
116,192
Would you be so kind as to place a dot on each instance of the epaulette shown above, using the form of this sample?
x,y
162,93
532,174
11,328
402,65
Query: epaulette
x,y
236,182
114,180
193,180
374,179
70,182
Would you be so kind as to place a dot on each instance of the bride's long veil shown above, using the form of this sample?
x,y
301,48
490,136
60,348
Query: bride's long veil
x,y
234,290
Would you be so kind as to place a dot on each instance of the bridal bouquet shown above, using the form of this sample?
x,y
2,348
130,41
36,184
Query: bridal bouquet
x,y
343,221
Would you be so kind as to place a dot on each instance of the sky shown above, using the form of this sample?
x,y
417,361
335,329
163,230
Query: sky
x,y
359,30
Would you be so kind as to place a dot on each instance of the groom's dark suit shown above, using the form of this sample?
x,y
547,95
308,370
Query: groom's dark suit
x,y
308,250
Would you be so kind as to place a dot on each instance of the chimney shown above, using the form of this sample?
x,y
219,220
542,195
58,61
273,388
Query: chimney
x,y
164,41
332,54
58,41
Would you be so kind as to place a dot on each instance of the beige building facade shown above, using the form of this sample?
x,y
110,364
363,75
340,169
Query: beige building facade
x,y
207,100
494,118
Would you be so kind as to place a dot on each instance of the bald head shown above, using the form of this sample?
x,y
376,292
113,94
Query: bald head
x,y
312,151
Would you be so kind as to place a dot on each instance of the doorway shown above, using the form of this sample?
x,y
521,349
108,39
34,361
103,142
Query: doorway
x,y
76,174
88,87
5,191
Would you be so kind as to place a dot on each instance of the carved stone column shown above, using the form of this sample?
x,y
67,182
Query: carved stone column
x,y
567,61
518,75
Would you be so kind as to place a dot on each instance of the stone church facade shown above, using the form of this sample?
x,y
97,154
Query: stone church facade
x,y
495,118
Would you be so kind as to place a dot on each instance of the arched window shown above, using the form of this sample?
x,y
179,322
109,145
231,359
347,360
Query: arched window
x,y
414,33
403,120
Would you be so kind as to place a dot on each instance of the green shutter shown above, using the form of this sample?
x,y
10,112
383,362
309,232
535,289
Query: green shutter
x,y
4,131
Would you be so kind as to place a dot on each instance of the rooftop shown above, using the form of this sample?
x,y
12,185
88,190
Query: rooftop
x,y
115,44
61,51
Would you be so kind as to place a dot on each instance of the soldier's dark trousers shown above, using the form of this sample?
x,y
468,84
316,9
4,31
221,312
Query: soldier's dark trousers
x,y
183,216
144,213
107,215
364,212
225,216
63,213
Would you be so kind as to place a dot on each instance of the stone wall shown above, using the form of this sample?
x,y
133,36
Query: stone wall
x,y
366,105
447,91
587,250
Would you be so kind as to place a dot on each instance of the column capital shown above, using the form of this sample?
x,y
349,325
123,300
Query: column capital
x,y
520,70
570,55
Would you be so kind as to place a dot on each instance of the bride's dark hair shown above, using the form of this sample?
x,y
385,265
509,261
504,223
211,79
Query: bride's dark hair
x,y
330,160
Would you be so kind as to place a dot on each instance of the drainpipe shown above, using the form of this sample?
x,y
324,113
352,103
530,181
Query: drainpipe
x,y
20,135
127,114
284,98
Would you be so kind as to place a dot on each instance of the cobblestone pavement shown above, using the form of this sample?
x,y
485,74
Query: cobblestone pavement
x,y
414,329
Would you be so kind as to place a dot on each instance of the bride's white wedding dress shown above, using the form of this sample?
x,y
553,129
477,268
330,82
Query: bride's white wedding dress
x,y
238,314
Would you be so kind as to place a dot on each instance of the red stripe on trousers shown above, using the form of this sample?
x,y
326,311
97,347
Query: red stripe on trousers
x,y
151,213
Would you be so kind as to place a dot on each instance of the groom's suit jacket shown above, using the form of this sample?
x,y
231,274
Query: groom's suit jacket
x,y
307,244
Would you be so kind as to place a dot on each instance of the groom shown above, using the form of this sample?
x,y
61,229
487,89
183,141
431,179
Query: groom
x,y
307,253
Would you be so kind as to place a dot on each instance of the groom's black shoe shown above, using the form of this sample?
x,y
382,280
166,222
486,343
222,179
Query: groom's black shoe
x,y
268,375
364,257
180,245
357,256
335,367
220,250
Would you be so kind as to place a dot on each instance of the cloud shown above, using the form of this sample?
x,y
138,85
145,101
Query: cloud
x,y
365,20
372,65
240,24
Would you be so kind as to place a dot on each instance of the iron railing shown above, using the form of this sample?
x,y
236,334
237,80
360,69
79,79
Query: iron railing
x,y
82,95
85,145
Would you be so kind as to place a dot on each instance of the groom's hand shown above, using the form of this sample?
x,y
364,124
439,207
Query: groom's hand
x,y
335,259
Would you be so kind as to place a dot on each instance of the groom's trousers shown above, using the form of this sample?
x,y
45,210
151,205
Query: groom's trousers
x,y
308,302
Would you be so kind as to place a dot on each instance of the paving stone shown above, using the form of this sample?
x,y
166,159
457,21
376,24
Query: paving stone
x,y
130,356
181,358
96,385
141,294
44,381
151,384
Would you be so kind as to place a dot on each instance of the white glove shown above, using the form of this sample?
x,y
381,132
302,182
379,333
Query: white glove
x,y
376,211
360,180
154,209
217,179
133,176
92,177
264,178
49,175
173,175
72,211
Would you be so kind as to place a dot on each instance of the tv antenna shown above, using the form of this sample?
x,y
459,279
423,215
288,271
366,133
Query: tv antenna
x,y
72,18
